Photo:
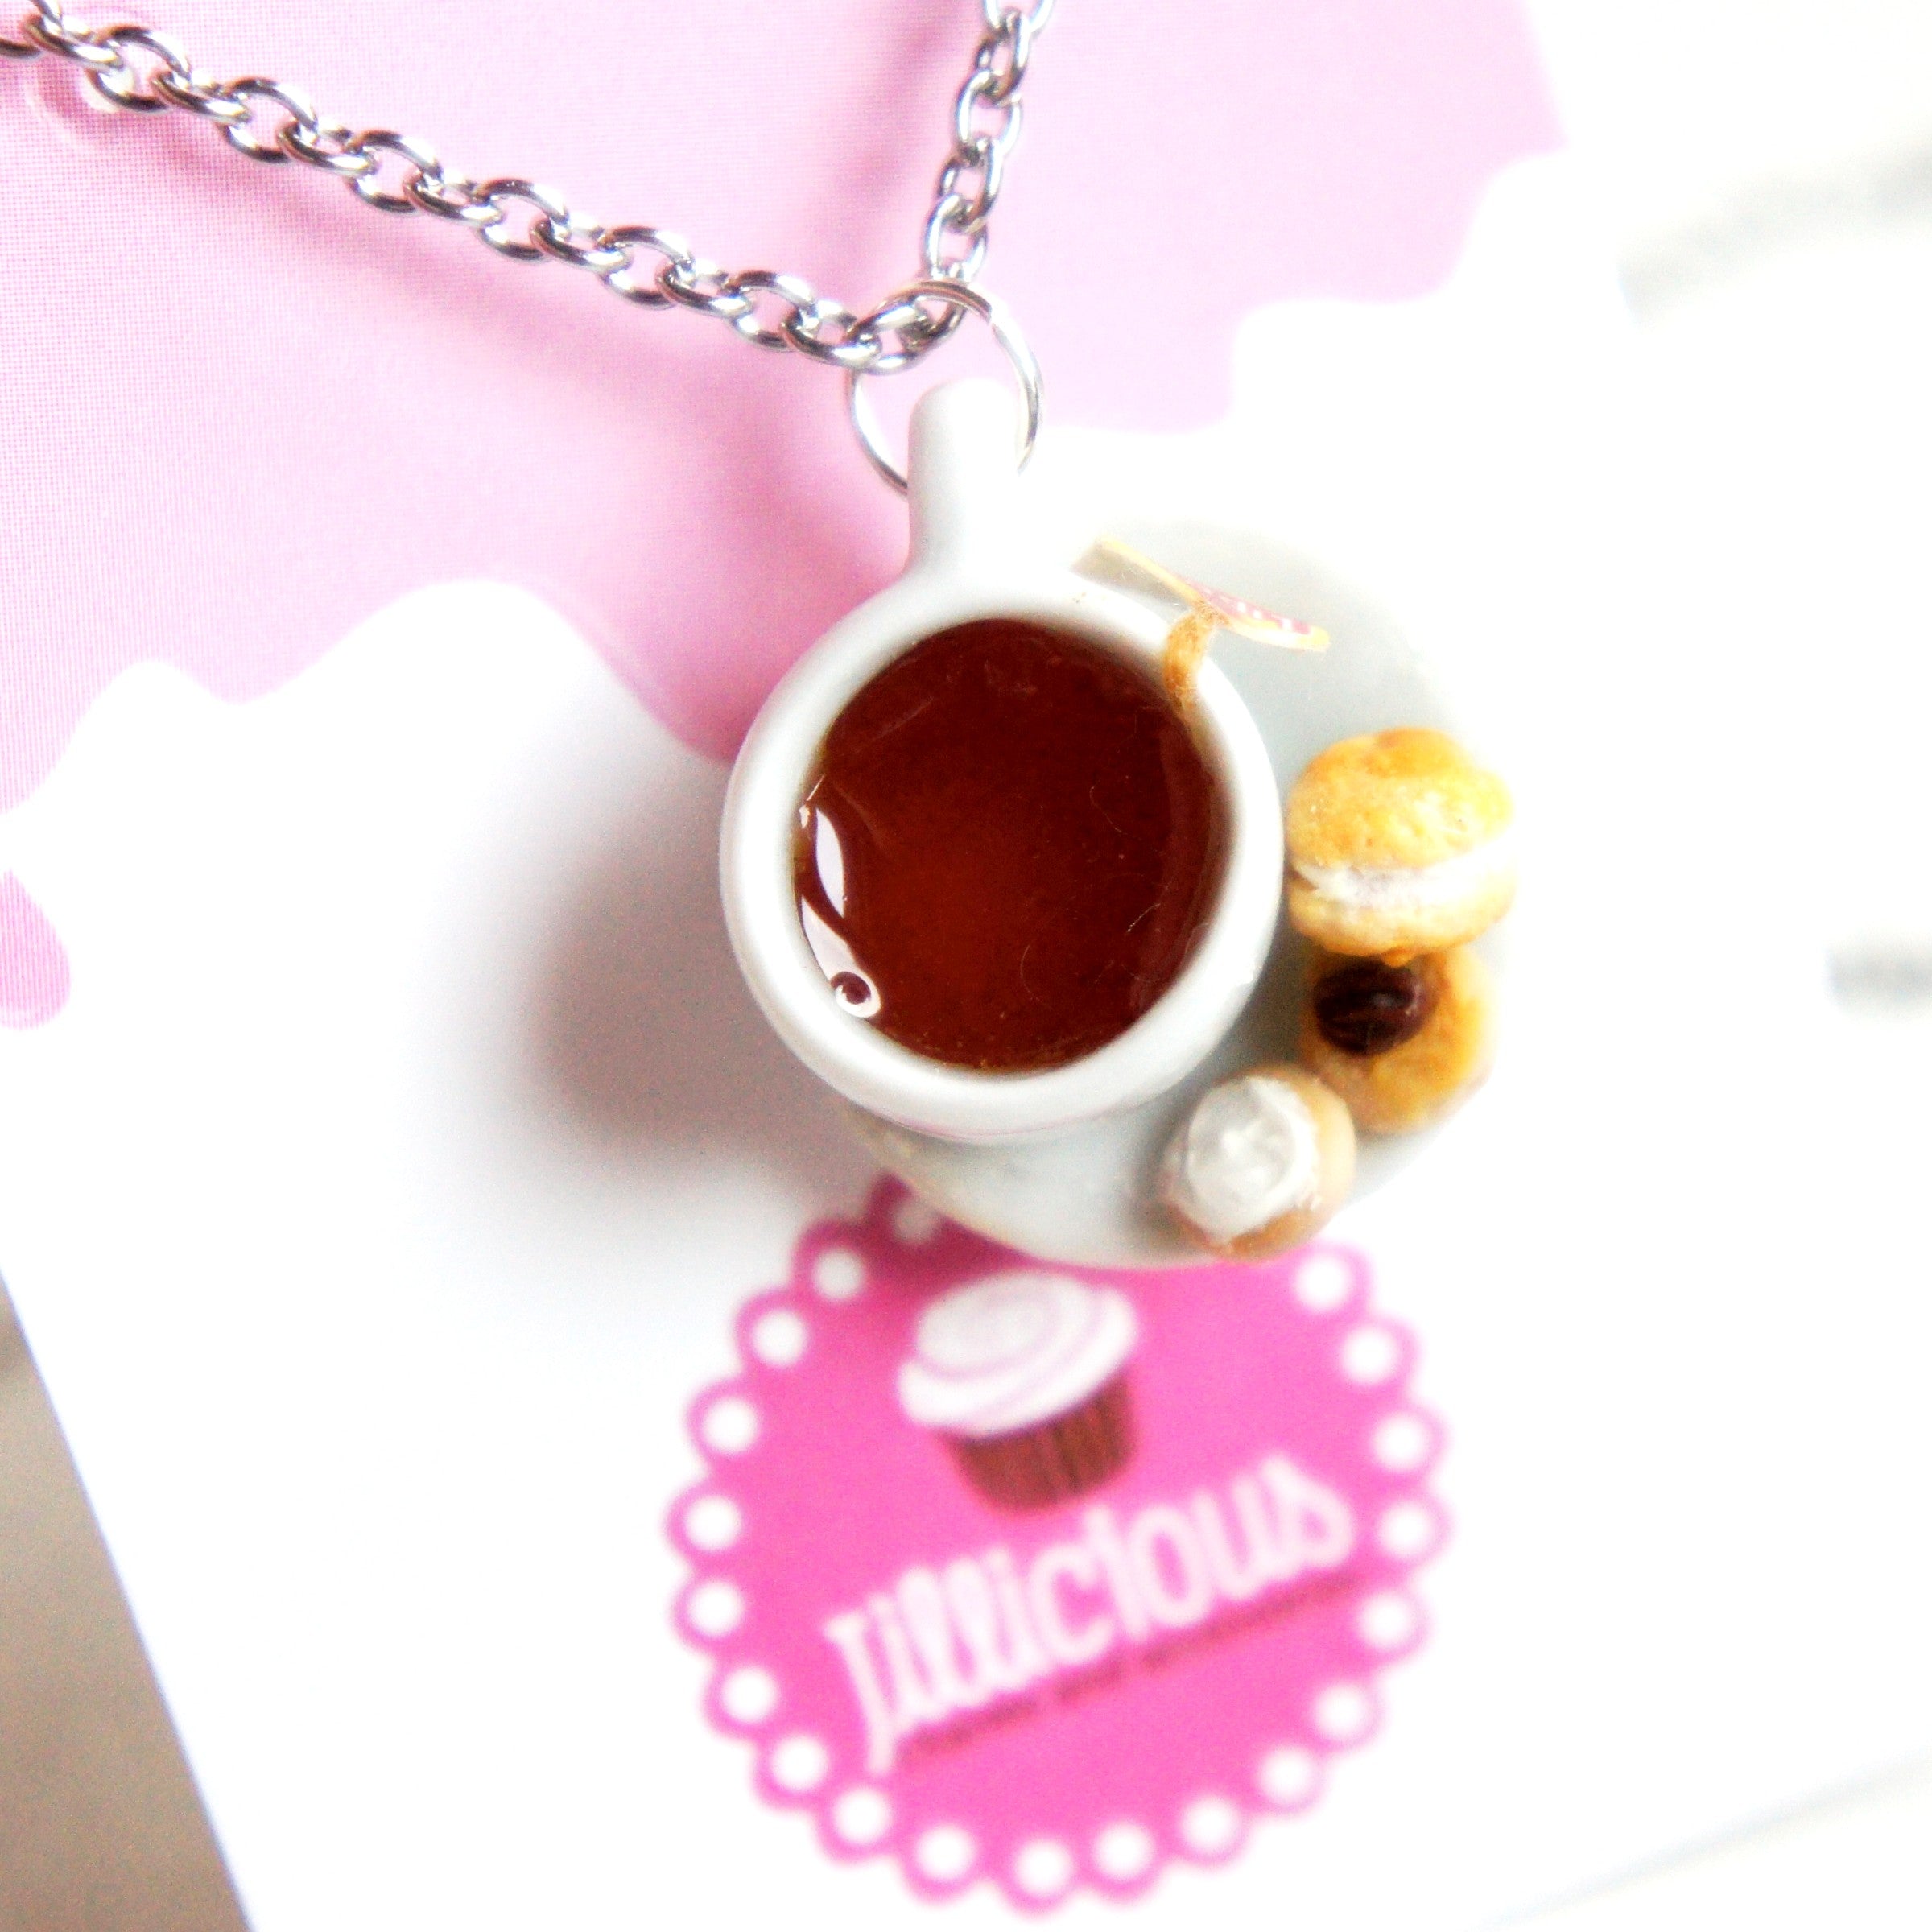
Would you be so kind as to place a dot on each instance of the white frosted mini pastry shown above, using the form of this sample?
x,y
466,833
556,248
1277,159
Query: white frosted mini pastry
x,y
1261,1164
1021,1374
1398,843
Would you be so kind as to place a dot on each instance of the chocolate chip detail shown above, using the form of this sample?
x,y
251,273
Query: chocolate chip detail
x,y
1367,1006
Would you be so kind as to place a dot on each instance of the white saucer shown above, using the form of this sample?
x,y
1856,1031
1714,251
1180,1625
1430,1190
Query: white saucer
x,y
1088,1195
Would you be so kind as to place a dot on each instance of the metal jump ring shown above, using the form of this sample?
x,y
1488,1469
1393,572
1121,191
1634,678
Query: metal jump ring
x,y
956,297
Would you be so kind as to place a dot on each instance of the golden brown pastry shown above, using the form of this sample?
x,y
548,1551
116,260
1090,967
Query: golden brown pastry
x,y
1403,1046
1261,1164
1398,843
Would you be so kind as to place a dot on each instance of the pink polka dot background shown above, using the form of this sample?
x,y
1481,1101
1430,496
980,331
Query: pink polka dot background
x,y
821,1500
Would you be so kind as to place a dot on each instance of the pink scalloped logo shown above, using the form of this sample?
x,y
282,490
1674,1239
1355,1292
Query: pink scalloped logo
x,y
1048,1575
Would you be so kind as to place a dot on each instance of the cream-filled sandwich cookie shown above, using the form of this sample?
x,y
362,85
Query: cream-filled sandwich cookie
x,y
1404,1044
1398,843
1021,1374
1261,1164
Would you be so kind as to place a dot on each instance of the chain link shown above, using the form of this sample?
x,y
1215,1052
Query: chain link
x,y
137,68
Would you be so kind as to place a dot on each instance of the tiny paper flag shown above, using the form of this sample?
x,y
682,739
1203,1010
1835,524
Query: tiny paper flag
x,y
1228,612
1208,610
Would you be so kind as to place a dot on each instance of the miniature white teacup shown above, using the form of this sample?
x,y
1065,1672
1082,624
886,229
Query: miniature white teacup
x,y
975,555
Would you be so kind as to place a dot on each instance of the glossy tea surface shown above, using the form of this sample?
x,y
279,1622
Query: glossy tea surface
x,y
1008,848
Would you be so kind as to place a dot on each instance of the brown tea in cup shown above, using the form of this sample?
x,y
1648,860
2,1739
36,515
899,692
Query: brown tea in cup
x,y
1008,848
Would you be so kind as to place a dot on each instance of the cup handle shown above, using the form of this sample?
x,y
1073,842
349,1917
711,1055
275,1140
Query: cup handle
x,y
963,478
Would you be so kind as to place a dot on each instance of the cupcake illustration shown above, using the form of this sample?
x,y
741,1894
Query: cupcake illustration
x,y
1023,1374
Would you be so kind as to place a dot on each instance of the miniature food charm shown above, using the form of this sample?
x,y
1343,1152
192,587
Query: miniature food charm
x,y
1397,844
1008,848
1403,1046
1261,1164
1022,1375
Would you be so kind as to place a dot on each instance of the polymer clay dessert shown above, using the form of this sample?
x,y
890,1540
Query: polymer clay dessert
x,y
1403,1046
1398,843
1261,1164
1022,1374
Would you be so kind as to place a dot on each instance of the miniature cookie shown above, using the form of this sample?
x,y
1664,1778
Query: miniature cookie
x,y
1397,844
1022,1374
1261,1164
1403,1046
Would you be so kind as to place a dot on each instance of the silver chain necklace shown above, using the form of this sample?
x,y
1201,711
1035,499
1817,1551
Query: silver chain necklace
x,y
139,69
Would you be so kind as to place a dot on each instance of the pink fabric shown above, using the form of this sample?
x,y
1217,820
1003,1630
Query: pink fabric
x,y
1073,1694
33,963
244,412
